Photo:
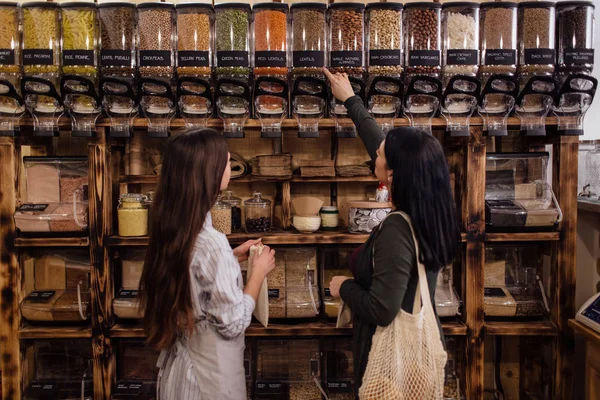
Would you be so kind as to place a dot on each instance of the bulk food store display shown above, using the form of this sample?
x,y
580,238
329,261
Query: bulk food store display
x,y
89,92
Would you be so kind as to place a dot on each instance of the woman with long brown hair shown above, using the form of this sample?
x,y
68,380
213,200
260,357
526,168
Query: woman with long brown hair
x,y
196,311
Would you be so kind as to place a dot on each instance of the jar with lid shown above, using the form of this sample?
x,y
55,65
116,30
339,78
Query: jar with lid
x,y
132,214
156,39
346,38
591,188
221,216
258,214
117,23
537,55
11,104
498,39
194,38
308,29
384,43
236,210
270,39
422,38
460,30
330,218
232,36
575,37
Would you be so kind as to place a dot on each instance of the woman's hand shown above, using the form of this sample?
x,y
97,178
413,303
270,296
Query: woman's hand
x,y
243,251
340,85
263,263
336,284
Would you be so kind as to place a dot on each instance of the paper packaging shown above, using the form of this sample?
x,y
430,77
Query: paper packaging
x,y
307,206
261,311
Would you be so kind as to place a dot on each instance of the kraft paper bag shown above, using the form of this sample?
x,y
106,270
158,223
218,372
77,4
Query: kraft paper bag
x,y
261,311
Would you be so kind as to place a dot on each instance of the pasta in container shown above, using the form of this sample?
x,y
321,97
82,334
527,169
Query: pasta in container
x,y
80,39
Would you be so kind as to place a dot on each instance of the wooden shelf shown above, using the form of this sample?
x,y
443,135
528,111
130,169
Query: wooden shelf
x,y
522,237
584,331
153,179
52,242
590,206
55,332
497,328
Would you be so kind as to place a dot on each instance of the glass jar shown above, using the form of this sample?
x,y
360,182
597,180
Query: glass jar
x,y
117,34
41,40
156,39
384,44
585,146
270,39
536,24
232,34
422,38
258,214
592,172
460,30
132,214
236,211
575,37
346,38
308,38
79,39
221,216
330,218
498,39
194,39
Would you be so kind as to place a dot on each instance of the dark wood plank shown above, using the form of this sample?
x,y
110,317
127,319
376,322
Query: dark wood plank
x,y
522,237
55,332
583,330
10,276
52,242
153,179
590,206
497,328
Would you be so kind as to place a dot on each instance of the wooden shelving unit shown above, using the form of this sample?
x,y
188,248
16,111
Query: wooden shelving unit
x,y
107,178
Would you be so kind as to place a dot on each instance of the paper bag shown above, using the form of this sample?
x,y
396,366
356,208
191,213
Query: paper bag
x,y
344,318
261,311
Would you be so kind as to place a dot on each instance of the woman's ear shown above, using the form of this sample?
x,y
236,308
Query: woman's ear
x,y
390,173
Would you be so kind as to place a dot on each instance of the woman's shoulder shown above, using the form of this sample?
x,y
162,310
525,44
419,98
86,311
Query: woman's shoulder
x,y
396,233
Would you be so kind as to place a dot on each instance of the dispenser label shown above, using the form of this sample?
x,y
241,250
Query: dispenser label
x,y
127,294
327,292
540,56
115,58
129,387
232,59
193,59
41,296
32,207
462,57
339,386
272,387
493,292
424,58
38,57
308,58
7,57
78,57
155,58
270,59
346,59
500,57
385,57
579,56
42,390
273,293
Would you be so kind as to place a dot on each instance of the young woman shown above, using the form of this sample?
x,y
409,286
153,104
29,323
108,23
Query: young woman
x,y
191,288
412,164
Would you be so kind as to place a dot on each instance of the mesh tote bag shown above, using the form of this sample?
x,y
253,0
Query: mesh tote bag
x,y
407,358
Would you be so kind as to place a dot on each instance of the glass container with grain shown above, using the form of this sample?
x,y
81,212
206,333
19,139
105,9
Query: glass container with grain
x,y
221,216
270,39
498,39
308,30
258,214
236,211
132,214
11,103
575,30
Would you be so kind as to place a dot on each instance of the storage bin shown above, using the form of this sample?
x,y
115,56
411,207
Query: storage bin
x,y
575,31
308,29
333,262
52,218
136,372
537,54
118,25
55,179
460,30
338,369
346,38
364,216
385,41
447,302
156,39
423,39
498,39
270,39
195,38
232,36
80,39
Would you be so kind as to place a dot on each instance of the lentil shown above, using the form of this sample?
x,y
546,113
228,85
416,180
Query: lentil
x,y
9,36
193,34
308,26
79,33
347,35
385,33
72,186
155,30
422,34
117,30
41,31
270,32
276,283
498,33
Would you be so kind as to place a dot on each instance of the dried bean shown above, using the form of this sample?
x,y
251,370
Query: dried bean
x,y
385,34
155,27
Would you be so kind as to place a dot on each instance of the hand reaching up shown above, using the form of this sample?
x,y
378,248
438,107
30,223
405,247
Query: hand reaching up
x,y
340,85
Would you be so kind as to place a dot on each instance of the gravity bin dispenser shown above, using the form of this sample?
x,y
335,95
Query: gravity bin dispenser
x,y
534,103
497,102
422,101
459,102
120,102
573,101
384,100
344,127
158,104
232,97
309,100
271,105
194,98
82,104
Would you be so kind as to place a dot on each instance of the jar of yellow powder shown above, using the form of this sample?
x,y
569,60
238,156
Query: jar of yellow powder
x,y
133,215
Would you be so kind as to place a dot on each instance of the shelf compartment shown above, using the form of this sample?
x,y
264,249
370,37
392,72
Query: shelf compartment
x,y
52,242
589,206
522,237
498,328
55,332
153,179
583,330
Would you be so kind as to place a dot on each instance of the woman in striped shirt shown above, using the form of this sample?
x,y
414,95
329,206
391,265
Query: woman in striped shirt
x,y
196,310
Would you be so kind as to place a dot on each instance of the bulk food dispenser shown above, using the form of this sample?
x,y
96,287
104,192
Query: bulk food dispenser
x,y
384,100
195,54
137,372
233,87
156,65
309,101
118,83
460,100
12,106
42,60
79,83
344,127
422,101
384,40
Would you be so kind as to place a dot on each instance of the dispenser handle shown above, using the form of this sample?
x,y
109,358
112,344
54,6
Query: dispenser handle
x,y
258,91
362,91
182,91
51,92
66,90
297,90
412,89
451,89
529,89
129,92
223,81
144,91
12,91
490,89
567,88
374,90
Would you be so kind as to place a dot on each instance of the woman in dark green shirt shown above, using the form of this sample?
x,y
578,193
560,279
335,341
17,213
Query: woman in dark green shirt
x,y
412,164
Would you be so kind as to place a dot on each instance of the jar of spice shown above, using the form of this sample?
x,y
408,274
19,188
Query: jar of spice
x,y
384,45
346,38
156,43
132,214
258,214
422,38
194,38
536,38
460,30
270,39
117,45
221,216
330,218
498,39
236,211
575,37
232,34
308,33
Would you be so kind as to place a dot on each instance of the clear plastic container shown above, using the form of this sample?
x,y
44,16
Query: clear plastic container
x,y
384,44
132,265
338,368
590,185
195,100
126,305
447,302
221,216
79,39
232,36
364,216
270,39
460,30
344,126
384,100
258,214
575,31
233,101
52,218
537,54
117,21
308,45
132,214
518,196
451,381
156,39
236,210
136,371
195,38
309,102
346,38
271,103
498,39
302,290
334,262
423,39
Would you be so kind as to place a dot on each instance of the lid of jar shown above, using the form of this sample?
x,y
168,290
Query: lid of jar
x,y
220,203
204,4
465,4
357,6
230,198
257,200
329,210
319,6
422,4
77,4
498,4
8,3
369,204
132,198
232,4
115,3
385,6
152,4
562,4
537,4
40,4
270,6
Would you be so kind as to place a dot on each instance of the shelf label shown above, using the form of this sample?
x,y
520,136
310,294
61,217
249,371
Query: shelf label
x,y
274,387
78,57
193,59
7,57
273,293
327,292
385,57
462,57
424,58
232,59
340,385
579,56
32,207
127,294
500,57
41,296
270,59
38,57
115,58
308,58
493,292
540,56
42,390
155,58
129,387
346,59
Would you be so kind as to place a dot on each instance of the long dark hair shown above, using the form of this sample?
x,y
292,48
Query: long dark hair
x,y
421,189
190,180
